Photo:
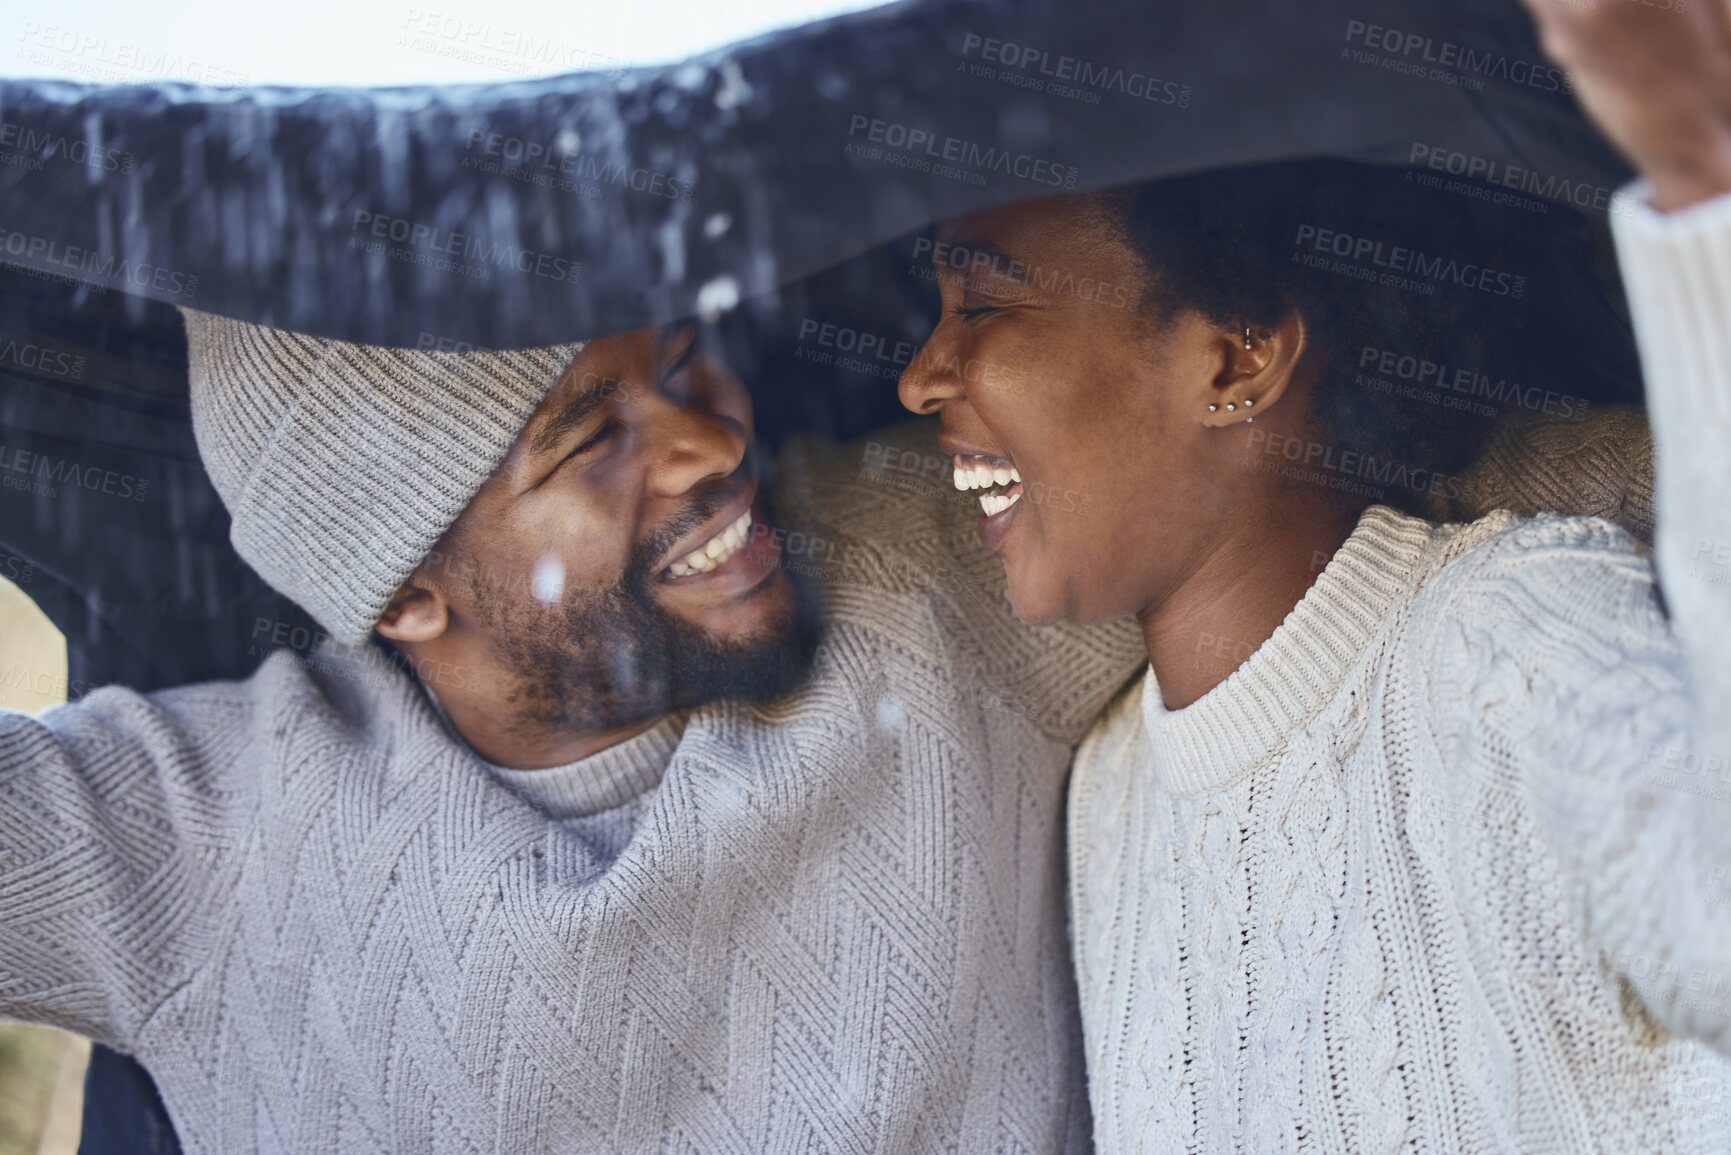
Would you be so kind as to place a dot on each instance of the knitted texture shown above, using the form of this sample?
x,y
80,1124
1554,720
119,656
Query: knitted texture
x,y
341,464
1600,465
1442,866
829,924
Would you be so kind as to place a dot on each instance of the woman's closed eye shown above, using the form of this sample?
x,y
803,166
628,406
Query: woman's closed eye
x,y
968,314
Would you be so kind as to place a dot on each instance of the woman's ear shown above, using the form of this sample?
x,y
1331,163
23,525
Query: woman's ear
x,y
1256,370
417,612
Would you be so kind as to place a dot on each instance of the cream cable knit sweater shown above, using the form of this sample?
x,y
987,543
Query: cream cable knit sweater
x,y
831,924
1446,864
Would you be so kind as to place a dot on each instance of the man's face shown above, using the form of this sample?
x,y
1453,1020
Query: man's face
x,y
619,563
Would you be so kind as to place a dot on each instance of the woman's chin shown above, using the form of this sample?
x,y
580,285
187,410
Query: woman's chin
x,y
1036,603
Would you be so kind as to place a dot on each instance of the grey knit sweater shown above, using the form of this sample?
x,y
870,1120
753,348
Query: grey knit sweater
x,y
830,924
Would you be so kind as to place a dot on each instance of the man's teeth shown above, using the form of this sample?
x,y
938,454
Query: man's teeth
x,y
716,551
998,502
973,473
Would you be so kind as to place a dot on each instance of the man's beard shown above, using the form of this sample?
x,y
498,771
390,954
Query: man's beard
x,y
604,660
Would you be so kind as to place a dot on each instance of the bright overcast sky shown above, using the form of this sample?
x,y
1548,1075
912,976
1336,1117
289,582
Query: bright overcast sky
x,y
326,42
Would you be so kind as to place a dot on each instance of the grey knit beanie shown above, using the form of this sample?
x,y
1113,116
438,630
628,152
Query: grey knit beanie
x,y
342,464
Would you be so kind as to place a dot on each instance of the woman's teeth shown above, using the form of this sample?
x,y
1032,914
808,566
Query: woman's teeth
x,y
988,473
716,551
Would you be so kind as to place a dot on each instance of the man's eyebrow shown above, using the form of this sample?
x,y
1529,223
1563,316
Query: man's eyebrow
x,y
567,417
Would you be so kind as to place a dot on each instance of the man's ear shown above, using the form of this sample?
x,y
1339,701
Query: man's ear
x,y
1253,380
417,613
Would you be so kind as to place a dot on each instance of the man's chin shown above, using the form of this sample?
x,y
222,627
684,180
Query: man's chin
x,y
765,608
760,649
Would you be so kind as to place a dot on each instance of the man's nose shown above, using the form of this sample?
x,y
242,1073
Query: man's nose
x,y
693,445
933,378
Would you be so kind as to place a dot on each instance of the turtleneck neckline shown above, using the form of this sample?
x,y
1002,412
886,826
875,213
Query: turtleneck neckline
x,y
605,779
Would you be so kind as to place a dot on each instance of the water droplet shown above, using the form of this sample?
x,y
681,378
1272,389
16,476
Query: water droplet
x,y
717,297
733,89
548,584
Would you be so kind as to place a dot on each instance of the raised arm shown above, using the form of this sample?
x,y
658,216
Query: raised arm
x,y
1614,708
110,842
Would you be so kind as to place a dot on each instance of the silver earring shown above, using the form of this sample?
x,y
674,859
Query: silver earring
x,y
1249,401
1247,338
1213,408
1248,420
1231,408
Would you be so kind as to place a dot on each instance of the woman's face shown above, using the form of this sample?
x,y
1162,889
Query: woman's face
x,y
1047,372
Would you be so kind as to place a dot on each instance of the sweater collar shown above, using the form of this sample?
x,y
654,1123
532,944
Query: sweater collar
x,y
1240,724
602,781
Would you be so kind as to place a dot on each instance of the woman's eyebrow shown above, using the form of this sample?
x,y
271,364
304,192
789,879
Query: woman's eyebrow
x,y
567,417
983,254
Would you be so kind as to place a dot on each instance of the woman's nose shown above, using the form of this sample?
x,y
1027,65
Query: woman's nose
x,y
933,378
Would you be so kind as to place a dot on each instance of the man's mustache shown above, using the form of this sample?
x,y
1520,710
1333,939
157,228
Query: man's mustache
x,y
646,558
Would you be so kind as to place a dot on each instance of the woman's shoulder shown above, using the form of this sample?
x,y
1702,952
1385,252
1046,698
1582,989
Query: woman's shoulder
x,y
1548,556
1546,584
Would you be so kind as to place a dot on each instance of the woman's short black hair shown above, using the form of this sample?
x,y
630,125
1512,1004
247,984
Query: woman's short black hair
x,y
1436,304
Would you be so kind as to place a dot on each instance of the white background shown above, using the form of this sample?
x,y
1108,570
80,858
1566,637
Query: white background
x,y
372,42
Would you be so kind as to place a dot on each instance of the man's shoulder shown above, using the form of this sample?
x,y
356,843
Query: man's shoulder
x,y
889,492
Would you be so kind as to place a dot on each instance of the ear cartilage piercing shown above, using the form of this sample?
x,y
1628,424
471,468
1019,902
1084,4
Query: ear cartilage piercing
x,y
1231,408
1212,408
1249,401
1247,337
